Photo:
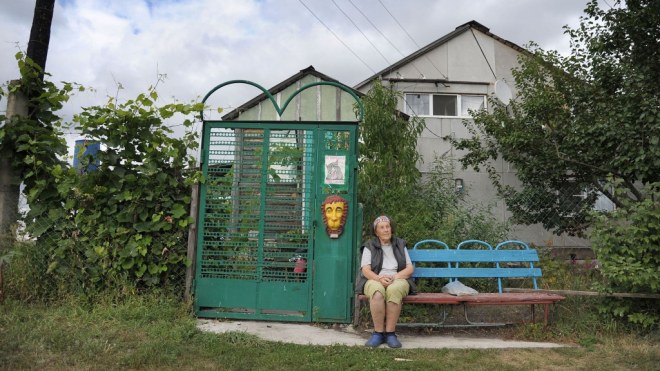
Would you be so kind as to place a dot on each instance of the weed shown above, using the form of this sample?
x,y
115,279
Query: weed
x,y
589,342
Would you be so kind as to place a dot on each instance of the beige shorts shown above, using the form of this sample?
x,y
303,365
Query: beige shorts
x,y
394,293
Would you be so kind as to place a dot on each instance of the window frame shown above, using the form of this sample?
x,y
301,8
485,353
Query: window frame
x,y
459,104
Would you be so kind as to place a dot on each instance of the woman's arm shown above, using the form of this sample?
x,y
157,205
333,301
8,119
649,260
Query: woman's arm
x,y
405,273
369,274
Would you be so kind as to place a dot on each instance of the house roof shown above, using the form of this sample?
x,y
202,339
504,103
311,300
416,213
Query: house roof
x,y
279,87
459,30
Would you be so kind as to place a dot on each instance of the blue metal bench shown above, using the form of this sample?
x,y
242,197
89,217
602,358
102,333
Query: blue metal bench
x,y
509,259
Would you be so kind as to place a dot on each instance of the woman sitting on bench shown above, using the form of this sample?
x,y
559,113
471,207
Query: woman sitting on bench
x,y
386,270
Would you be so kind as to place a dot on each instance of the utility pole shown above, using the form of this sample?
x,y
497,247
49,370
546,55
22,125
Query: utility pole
x,y
17,105
9,180
40,33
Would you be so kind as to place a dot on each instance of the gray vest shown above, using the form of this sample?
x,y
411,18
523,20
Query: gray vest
x,y
398,247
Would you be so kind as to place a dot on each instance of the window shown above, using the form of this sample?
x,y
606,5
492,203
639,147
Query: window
x,y
417,104
451,105
471,102
601,202
444,105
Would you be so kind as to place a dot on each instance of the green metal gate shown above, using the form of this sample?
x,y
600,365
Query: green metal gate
x,y
263,251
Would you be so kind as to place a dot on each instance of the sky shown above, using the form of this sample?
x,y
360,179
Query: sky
x,y
121,47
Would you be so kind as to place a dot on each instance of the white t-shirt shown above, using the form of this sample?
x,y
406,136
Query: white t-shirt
x,y
390,265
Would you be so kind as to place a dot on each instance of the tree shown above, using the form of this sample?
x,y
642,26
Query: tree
x,y
387,171
390,182
581,124
589,124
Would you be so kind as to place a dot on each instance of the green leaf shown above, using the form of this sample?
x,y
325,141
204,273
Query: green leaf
x,y
100,250
52,267
127,264
140,270
178,211
154,269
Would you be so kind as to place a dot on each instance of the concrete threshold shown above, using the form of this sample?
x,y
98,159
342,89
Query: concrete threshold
x,y
312,334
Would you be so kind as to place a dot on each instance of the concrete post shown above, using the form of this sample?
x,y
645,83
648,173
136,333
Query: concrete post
x,y
9,180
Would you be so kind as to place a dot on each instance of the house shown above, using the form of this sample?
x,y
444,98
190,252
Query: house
x,y
440,83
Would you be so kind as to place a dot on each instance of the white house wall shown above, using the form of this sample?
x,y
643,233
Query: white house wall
x,y
466,65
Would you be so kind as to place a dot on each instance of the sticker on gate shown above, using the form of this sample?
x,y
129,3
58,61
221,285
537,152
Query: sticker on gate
x,y
335,170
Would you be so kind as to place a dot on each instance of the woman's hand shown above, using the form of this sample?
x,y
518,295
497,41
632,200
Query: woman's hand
x,y
385,280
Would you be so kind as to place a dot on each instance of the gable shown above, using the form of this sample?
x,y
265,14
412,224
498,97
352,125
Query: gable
x,y
317,103
471,53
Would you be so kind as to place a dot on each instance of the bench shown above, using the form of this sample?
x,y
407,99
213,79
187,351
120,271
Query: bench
x,y
509,259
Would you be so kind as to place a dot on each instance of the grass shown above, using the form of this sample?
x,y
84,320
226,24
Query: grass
x,y
156,333
125,331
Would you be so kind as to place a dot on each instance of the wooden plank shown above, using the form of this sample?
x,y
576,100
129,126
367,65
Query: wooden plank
x,y
425,298
473,256
431,298
479,299
511,298
476,272
587,293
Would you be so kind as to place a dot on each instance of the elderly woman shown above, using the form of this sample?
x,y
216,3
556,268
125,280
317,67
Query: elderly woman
x,y
385,279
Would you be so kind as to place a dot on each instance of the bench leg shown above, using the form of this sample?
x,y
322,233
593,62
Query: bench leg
x,y
546,313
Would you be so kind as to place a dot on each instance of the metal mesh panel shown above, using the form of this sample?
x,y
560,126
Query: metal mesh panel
x,y
258,208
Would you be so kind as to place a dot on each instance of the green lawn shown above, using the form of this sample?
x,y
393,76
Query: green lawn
x,y
161,334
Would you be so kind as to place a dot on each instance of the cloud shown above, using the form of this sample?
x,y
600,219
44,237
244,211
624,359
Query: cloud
x,y
201,43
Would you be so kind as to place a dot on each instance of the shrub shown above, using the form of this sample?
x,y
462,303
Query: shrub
x,y
131,214
627,244
121,223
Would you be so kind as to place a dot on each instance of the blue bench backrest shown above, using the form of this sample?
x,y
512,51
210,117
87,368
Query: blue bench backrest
x,y
454,257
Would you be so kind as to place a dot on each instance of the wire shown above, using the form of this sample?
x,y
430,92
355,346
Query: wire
x,y
337,37
484,54
416,115
413,40
363,34
385,37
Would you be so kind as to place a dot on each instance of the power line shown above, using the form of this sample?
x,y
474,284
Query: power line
x,y
416,115
363,34
337,37
411,38
384,36
482,53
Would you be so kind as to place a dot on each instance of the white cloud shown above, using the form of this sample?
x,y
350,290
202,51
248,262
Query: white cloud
x,y
201,43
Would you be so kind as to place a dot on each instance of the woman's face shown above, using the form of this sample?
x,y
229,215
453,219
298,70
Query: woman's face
x,y
384,232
